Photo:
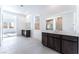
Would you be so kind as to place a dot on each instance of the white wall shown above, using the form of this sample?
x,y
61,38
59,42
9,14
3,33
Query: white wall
x,y
77,19
0,23
0,27
37,33
34,33
68,20
21,22
68,24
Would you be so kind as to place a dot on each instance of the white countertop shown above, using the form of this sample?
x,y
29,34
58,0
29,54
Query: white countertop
x,y
62,33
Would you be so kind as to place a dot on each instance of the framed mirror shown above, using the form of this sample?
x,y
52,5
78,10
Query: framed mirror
x,y
59,23
37,23
49,24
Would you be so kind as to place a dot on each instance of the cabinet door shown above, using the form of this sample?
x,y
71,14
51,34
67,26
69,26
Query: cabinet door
x,y
27,33
22,32
57,44
69,47
44,39
50,42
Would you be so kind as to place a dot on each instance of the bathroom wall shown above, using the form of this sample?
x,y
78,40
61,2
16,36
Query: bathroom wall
x,y
67,15
67,22
77,19
0,26
21,23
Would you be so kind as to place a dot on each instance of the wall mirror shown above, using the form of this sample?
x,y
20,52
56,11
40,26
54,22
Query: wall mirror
x,y
49,24
59,23
37,23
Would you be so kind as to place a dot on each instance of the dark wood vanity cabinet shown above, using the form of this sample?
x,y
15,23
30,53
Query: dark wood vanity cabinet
x,y
53,42
44,39
50,42
57,44
69,45
61,43
26,33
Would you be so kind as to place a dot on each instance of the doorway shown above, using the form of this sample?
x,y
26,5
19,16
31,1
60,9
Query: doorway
x,y
8,24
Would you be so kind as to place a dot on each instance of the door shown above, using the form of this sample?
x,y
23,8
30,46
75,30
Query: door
x,y
28,33
57,44
50,42
69,47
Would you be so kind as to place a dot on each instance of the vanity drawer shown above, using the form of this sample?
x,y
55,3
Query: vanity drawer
x,y
54,35
70,38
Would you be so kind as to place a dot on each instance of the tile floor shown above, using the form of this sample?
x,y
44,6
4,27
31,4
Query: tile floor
x,y
23,45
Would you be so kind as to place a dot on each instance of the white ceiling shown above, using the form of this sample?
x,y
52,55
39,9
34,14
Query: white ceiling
x,y
40,9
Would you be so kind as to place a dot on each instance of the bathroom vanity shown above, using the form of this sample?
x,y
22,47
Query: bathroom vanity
x,y
66,43
26,33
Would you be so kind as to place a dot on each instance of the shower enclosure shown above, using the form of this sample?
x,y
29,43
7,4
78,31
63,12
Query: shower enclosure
x,y
7,24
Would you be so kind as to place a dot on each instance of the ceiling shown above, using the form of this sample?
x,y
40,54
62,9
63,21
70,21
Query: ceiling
x,y
39,9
